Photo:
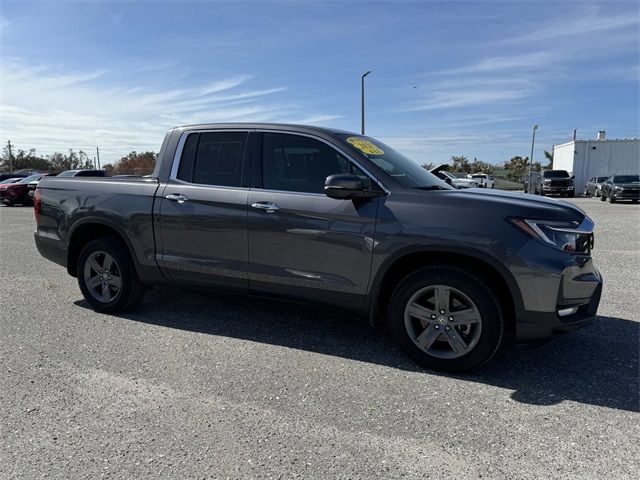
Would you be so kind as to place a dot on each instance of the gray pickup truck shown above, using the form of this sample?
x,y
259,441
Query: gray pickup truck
x,y
334,218
554,182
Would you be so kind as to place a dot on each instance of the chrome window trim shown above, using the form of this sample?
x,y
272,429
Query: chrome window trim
x,y
173,175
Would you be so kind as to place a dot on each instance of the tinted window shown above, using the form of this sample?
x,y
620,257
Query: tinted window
x,y
301,164
213,158
91,173
602,179
555,174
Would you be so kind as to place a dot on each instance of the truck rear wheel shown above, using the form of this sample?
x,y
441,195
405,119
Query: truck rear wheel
x,y
445,318
107,276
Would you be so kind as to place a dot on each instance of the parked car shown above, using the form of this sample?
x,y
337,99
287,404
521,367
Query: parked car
x,y
6,181
5,176
33,184
441,172
594,186
17,192
554,182
621,187
331,217
83,173
482,179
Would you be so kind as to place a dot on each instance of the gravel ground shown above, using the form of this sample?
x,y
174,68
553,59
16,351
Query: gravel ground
x,y
197,385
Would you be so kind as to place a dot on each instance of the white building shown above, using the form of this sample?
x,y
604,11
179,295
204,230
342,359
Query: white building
x,y
597,158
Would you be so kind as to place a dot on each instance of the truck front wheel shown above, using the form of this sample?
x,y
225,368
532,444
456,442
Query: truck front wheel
x,y
107,276
445,318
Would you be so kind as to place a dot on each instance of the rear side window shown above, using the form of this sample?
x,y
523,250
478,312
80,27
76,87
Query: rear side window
x,y
213,158
294,163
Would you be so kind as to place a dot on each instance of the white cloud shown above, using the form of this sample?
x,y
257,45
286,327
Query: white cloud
x,y
455,98
52,111
592,21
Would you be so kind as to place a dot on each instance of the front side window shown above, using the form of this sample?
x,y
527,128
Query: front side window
x,y
294,163
213,158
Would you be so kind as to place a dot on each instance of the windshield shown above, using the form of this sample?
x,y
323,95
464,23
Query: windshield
x,y
395,164
31,178
10,180
68,173
601,179
479,176
626,179
555,174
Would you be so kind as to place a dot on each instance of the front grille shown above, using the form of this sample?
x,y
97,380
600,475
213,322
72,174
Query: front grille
x,y
559,183
630,192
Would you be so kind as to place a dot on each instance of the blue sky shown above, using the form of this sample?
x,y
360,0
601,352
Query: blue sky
x,y
448,78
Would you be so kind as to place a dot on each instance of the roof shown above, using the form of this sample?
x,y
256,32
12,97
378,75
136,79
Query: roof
x,y
266,126
595,140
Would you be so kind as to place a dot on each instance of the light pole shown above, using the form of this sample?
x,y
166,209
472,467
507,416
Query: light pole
x,y
362,102
533,141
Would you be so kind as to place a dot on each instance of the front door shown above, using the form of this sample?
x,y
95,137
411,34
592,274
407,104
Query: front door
x,y
203,212
301,242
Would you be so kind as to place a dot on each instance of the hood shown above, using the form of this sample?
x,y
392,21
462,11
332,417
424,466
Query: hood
x,y
505,204
626,185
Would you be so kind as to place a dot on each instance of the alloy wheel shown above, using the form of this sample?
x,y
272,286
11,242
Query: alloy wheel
x,y
102,277
442,321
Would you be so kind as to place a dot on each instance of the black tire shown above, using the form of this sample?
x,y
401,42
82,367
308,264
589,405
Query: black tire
x,y
612,199
131,290
489,308
541,193
603,197
635,200
8,203
571,194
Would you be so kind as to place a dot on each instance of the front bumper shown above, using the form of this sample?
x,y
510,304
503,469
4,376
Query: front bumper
x,y
626,194
577,303
550,189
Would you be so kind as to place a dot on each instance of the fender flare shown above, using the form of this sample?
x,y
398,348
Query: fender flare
x,y
476,254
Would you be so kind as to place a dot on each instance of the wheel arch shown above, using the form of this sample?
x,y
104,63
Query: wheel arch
x,y
90,229
408,260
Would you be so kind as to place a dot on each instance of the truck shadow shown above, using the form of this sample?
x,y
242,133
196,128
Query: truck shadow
x,y
597,365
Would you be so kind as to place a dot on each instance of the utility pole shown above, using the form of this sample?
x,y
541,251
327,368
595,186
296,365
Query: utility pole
x,y
362,102
10,156
98,157
575,132
533,141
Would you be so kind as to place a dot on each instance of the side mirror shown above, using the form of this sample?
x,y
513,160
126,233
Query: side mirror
x,y
344,187
573,177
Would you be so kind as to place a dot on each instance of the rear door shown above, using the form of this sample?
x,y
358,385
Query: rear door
x,y
203,211
301,242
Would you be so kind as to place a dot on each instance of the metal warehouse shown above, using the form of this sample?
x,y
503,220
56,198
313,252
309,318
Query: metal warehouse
x,y
597,158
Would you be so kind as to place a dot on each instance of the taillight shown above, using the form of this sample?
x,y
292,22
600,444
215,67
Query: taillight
x,y
37,204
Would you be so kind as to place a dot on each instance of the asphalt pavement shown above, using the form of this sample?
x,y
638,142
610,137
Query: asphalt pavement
x,y
203,385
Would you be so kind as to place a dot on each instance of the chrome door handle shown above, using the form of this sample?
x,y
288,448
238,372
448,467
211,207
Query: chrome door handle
x,y
177,197
266,206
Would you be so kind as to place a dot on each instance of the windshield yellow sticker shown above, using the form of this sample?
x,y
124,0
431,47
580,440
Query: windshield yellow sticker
x,y
365,146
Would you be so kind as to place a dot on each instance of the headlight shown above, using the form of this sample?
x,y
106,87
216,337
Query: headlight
x,y
617,188
547,181
567,236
